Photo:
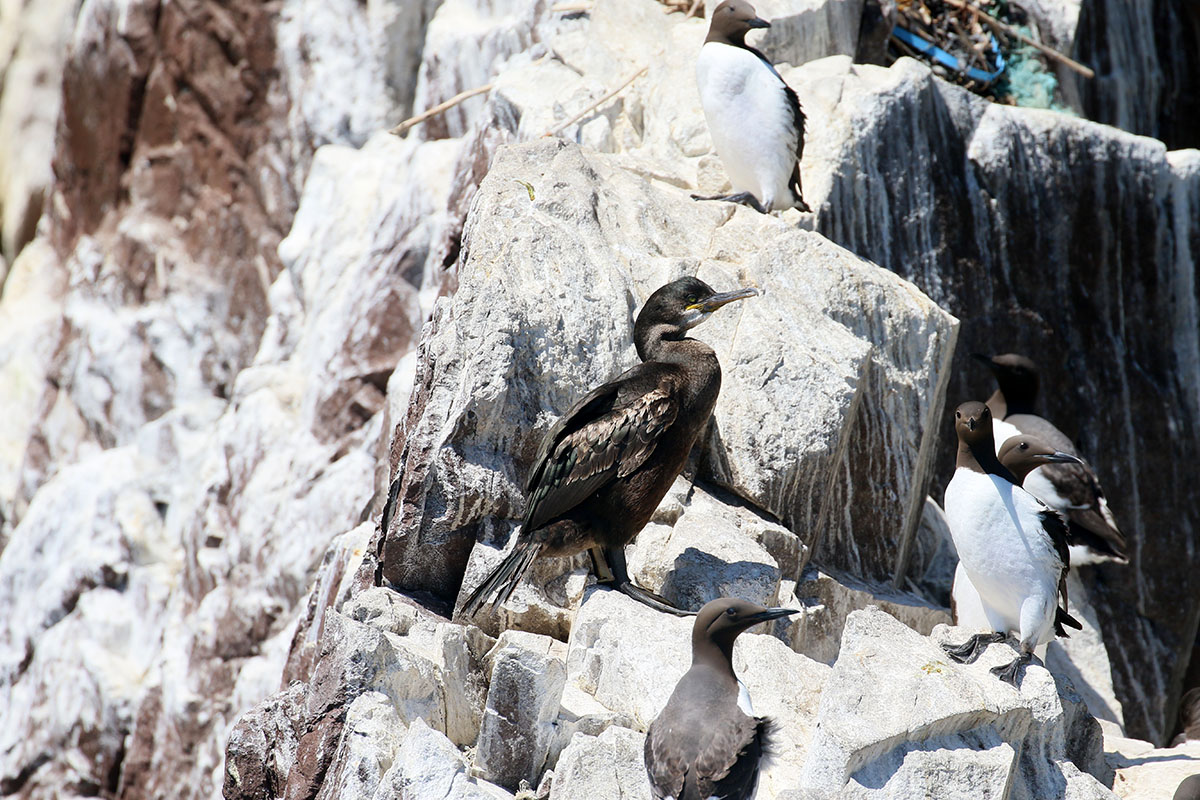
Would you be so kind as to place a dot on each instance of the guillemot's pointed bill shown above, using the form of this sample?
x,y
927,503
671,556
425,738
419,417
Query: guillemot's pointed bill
x,y
1072,489
755,119
603,468
1011,545
707,742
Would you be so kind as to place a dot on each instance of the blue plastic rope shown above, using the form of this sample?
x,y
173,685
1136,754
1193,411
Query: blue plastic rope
x,y
931,50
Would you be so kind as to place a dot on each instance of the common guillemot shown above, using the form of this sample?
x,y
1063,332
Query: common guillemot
x,y
754,117
1011,545
603,468
1070,488
1021,455
707,742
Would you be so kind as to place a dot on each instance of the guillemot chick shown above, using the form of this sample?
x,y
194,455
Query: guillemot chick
x,y
1073,489
707,742
754,117
603,468
1011,545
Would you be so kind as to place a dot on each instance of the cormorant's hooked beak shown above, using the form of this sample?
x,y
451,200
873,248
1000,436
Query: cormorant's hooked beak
x,y
757,22
711,304
1059,456
770,614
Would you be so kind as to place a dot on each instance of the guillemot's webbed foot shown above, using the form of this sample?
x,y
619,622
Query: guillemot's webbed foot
x,y
972,648
745,198
1008,672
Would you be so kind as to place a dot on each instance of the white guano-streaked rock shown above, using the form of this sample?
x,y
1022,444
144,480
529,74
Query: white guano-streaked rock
x,y
524,694
827,601
525,336
894,702
605,767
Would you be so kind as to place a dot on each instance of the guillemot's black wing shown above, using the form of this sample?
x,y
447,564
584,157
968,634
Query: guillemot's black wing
x,y
793,104
718,759
1056,529
1090,523
606,435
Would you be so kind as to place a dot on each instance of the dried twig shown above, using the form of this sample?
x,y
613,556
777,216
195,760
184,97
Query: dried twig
x,y
403,127
557,129
691,12
1050,52
570,8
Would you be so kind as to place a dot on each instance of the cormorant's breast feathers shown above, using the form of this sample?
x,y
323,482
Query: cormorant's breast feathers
x,y
605,436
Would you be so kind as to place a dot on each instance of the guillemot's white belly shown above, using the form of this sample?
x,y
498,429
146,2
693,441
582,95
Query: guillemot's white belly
x,y
1005,552
750,121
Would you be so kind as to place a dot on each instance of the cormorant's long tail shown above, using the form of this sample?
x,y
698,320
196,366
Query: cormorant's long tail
x,y
503,579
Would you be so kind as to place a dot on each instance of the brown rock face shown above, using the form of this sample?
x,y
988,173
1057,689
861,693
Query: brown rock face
x,y
169,119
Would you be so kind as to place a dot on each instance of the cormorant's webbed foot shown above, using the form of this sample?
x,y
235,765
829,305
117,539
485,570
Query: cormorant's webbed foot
x,y
647,597
1008,672
745,198
972,648
610,562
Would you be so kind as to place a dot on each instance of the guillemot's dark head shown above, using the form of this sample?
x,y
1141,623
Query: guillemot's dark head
x,y
676,308
732,20
1023,454
1018,379
721,620
973,424
976,441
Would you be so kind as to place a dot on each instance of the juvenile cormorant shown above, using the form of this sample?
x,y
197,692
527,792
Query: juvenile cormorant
x,y
603,468
707,742
1012,546
754,117
1070,488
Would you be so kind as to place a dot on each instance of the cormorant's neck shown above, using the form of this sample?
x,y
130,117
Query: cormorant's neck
x,y
657,345
982,458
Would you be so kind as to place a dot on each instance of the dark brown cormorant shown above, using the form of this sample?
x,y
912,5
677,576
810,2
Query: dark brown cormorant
x,y
603,468
1070,488
707,742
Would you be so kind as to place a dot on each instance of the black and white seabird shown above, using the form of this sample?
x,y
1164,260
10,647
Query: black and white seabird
x,y
1021,455
1070,488
603,468
1011,545
754,117
707,743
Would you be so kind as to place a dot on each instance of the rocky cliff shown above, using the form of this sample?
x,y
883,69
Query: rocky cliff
x,y
272,378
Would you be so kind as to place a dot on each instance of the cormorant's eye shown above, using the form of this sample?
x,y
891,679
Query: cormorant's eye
x,y
692,300
958,415
731,611
1024,445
